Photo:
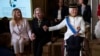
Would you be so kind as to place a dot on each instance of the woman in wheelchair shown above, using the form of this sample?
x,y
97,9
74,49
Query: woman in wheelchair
x,y
75,31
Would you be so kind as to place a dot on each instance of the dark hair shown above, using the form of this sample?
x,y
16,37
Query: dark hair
x,y
58,2
73,5
5,39
5,18
85,2
16,9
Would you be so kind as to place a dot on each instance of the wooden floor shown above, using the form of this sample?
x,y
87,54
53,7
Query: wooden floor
x,y
50,49
95,48
54,49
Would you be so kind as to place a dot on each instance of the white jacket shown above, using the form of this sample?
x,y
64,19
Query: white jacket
x,y
24,30
75,22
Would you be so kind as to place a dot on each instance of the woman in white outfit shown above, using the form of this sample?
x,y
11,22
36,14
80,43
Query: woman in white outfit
x,y
20,31
78,24
97,26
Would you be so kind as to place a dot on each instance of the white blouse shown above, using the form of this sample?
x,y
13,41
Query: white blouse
x,y
75,22
59,15
20,30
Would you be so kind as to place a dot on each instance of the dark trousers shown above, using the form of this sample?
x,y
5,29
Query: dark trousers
x,y
74,45
38,46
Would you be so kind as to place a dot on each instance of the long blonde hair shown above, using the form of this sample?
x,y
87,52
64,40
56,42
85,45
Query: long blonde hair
x,y
38,9
14,21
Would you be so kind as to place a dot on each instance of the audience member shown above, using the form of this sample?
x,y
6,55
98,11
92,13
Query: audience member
x,y
5,43
38,28
20,31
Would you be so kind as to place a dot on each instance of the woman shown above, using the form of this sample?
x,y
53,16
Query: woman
x,y
5,44
75,31
58,15
85,10
38,28
60,12
20,31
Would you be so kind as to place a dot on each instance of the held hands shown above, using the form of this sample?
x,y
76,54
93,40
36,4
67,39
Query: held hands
x,y
32,37
56,20
45,28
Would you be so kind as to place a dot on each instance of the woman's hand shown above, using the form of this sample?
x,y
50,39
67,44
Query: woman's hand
x,y
32,37
78,29
45,28
22,37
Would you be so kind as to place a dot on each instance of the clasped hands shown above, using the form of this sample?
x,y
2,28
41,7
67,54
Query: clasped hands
x,y
45,28
33,36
